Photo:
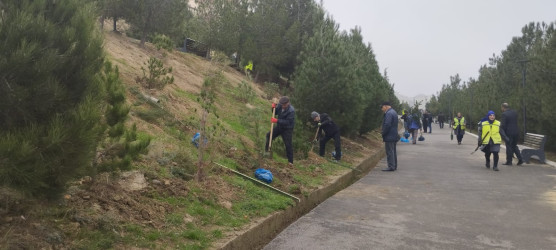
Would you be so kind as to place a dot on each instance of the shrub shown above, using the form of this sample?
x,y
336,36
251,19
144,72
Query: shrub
x,y
163,42
271,89
156,77
245,93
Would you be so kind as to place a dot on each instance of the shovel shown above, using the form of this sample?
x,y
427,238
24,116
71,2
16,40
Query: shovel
x,y
270,136
313,141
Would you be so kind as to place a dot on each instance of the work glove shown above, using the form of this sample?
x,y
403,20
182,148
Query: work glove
x,y
273,105
319,124
273,120
315,140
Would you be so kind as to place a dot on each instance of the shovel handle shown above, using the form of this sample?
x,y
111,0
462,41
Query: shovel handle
x,y
271,128
312,142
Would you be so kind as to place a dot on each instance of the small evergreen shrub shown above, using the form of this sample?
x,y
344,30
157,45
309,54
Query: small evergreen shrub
x,y
155,74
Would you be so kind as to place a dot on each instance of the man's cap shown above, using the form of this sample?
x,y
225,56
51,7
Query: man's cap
x,y
314,114
385,103
490,113
284,100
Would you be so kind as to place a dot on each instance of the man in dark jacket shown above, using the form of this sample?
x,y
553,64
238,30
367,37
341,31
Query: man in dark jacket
x,y
509,126
425,121
390,135
441,120
284,126
331,131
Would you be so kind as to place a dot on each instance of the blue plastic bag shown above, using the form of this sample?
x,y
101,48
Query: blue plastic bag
x,y
263,175
196,138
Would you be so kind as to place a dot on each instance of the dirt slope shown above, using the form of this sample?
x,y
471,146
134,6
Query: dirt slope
x,y
105,202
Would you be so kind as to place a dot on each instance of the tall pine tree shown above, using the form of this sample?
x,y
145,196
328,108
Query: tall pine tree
x,y
50,93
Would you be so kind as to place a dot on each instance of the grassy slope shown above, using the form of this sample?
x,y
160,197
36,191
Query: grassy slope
x,y
172,211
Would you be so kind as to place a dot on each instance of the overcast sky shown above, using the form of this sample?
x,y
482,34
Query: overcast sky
x,y
422,43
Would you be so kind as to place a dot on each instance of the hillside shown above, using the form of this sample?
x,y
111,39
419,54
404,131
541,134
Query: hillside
x,y
157,204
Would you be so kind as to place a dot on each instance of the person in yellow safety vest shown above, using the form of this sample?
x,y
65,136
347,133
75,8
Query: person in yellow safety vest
x,y
491,138
459,127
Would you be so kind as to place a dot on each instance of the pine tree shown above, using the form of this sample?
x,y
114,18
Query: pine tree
x,y
121,145
50,93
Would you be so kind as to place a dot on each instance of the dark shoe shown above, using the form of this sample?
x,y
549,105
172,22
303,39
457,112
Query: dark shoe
x,y
519,162
388,169
507,163
487,165
495,168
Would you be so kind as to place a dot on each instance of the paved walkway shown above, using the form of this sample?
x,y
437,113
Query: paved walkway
x,y
441,197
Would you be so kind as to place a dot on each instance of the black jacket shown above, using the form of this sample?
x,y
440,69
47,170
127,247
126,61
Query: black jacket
x,y
329,127
440,118
286,118
509,123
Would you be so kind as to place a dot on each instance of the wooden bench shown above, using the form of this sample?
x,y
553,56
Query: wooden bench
x,y
534,145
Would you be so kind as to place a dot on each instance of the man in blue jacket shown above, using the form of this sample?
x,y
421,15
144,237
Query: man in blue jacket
x,y
284,126
390,135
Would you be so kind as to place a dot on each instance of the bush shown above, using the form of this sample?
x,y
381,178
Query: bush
x,y
163,42
156,76
245,93
271,89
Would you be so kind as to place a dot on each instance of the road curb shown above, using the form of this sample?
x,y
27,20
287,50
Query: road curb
x,y
262,233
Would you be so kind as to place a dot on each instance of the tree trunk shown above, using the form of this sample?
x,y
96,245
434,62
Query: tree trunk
x,y
200,176
101,21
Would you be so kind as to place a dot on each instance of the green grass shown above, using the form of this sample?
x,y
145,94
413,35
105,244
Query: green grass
x,y
174,219
309,181
96,239
119,60
153,116
237,126
187,95
258,200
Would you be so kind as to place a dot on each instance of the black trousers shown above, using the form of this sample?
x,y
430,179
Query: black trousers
x,y
487,156
287,135
337,144
511,148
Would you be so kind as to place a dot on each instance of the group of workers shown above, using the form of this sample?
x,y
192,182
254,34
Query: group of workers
x,y
491,132
285,122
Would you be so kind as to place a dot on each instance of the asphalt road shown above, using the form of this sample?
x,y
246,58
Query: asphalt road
x,y
441,197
